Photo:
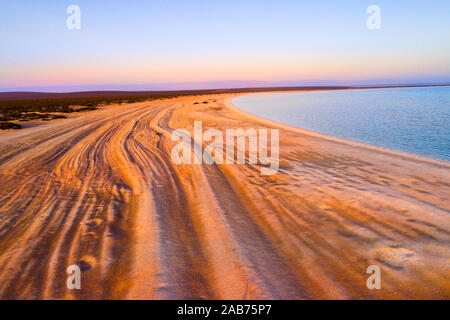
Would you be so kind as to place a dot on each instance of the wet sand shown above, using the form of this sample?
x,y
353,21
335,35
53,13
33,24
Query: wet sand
x,y
100,190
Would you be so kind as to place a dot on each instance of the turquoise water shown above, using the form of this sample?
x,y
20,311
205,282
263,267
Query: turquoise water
x,y
415,120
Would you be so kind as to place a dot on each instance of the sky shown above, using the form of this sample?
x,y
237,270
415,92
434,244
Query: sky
x,y
177,44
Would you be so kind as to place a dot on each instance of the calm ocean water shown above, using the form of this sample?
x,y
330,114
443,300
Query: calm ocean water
x,y
415,120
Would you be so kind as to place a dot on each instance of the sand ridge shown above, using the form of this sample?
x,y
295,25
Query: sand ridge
x,y
100,190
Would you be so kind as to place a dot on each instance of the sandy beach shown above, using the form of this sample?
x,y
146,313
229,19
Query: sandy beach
x,y
100,190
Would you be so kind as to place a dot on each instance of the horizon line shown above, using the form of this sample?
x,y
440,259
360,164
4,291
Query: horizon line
x,y
184,86
30,95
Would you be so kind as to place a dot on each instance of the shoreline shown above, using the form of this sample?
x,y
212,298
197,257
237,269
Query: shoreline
x,y
229,104
100,190
363,145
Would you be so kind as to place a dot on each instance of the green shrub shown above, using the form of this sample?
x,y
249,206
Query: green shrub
x,y
85,109
9,125
58,116
25,110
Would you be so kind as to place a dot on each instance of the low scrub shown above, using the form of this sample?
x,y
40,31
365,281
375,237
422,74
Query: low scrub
x,y
9,125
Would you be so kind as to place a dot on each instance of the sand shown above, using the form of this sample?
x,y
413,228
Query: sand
x,y
100,190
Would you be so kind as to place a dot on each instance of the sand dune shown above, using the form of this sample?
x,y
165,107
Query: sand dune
x,y
100,190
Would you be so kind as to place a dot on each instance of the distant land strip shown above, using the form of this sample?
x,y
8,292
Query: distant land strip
x,y
19,107
26,95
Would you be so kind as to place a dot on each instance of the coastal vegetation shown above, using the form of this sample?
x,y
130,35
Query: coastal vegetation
x,y
49,106
9,125
45,109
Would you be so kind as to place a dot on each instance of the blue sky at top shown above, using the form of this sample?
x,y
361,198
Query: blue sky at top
x,y
137,42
